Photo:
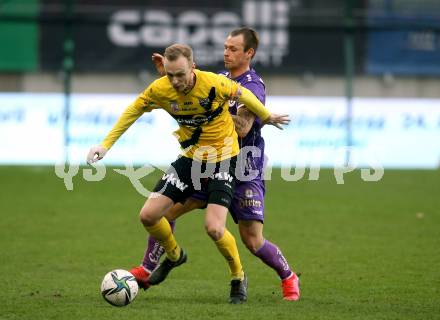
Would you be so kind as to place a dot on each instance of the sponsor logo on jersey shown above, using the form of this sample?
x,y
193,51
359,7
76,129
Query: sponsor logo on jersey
x,y
249,193
197,120
246,203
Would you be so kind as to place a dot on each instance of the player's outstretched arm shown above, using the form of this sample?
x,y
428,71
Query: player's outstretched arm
x,y
128,117
278,120
95,154
253,104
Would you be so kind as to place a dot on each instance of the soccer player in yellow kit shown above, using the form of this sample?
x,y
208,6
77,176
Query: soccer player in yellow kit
x,y
198,101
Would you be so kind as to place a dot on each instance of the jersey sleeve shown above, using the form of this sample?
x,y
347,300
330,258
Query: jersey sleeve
x,y
246,97
143,103
257,88
228,87
231,90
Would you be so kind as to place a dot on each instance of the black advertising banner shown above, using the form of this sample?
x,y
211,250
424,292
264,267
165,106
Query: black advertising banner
x,y
122,35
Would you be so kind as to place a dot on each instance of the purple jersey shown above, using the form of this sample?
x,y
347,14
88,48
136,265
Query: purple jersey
x,y
248,201
252,161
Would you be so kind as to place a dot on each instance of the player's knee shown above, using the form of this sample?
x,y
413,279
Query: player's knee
x,y
146,218
214,230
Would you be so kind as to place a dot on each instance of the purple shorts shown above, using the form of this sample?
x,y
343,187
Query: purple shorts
x,y
248,201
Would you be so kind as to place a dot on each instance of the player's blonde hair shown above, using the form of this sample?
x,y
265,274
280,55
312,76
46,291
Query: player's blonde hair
x,y
175,51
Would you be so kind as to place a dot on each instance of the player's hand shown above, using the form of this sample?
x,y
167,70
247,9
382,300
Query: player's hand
x,y
158,63
95,154
278,120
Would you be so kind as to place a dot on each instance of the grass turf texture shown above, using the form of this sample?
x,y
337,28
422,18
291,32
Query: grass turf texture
x,y
366,250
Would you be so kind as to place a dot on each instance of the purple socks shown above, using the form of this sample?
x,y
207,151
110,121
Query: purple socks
x,y
154,252
271,255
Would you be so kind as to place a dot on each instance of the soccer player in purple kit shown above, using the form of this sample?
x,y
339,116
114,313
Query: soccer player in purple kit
x,y
247,208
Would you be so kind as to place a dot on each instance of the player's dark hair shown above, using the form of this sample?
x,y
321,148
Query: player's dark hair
x,y
174,51
250,37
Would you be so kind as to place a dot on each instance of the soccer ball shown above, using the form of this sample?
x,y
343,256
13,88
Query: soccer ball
x,y
119,287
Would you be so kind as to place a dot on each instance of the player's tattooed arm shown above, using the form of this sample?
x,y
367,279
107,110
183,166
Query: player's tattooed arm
x,y
243,121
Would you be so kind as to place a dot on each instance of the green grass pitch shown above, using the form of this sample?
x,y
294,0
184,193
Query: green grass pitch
x,y
366,250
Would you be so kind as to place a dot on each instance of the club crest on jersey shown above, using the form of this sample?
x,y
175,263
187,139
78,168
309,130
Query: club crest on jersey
x,y
174,106
206,103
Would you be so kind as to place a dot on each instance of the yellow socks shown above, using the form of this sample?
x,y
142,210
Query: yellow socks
x,y
226,245
163,233
228,248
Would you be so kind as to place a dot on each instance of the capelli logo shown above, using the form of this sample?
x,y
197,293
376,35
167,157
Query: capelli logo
x,y
205,32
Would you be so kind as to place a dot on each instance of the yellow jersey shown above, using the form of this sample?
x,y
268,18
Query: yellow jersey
x,y
206,129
